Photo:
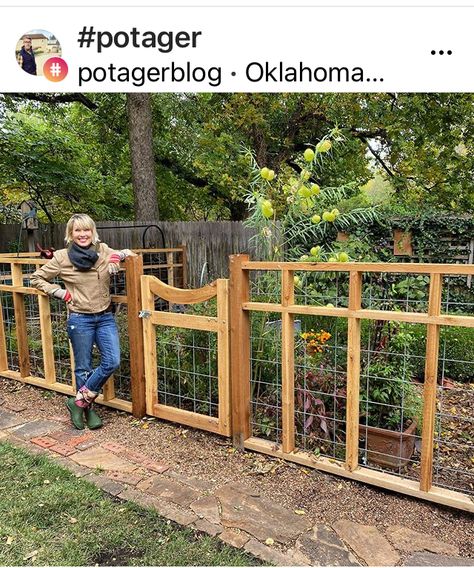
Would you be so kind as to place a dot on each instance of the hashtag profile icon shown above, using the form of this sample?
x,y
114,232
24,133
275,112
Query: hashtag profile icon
x,y
55,69
86,36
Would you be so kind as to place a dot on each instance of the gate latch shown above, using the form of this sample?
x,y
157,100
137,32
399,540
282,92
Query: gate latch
x,y
144,314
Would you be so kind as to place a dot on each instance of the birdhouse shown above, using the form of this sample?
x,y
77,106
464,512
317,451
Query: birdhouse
x,y
28,215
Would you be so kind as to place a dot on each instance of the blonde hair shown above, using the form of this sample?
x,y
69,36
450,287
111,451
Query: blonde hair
x,y
84,222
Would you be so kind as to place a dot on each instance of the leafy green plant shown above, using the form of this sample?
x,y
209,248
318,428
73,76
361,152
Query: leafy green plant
x,y
390,399
292,213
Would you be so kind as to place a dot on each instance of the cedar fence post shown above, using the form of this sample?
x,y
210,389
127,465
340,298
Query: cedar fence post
x,y
134,268
239,351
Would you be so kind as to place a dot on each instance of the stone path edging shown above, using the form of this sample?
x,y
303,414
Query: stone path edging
x,y
234,512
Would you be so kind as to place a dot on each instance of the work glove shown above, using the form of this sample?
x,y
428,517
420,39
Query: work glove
x,y
62,294
114,263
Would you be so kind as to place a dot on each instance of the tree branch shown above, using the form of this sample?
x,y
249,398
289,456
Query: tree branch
x,y
56,98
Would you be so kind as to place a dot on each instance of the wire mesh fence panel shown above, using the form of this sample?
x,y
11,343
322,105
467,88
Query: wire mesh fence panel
x,y
9,323
33,331
321,289
320,385
61,348
457,296
187,369
391,396
265,286
122,380
453,454
266,376
397,292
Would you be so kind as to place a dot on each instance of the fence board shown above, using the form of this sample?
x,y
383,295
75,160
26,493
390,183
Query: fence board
x,y
20,323
288,363
353,373
429,390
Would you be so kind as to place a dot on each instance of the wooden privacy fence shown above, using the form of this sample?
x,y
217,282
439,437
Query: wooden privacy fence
x,y
34,346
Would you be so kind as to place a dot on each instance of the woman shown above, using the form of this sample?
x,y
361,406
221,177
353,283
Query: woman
x,y
85,266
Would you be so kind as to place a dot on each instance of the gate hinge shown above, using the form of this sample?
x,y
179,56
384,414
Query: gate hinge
x,y
144,314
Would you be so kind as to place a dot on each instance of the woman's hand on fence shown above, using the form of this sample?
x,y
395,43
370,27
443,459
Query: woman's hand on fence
x,y
62,294
126,252
114,263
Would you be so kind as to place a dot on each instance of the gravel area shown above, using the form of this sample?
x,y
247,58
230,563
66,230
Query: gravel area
x,y
325,498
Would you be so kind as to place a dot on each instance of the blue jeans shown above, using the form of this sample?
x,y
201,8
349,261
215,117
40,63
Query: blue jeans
x,y
84,330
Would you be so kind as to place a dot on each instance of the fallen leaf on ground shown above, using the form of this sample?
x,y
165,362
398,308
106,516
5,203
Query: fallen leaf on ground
x,y
9,540
31,555
72,520
300,512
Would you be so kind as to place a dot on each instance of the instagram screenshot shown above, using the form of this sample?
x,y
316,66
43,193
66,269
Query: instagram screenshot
x,y
236,283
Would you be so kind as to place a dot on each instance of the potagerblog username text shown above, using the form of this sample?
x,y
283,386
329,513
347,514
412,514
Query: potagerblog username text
x,y
189,72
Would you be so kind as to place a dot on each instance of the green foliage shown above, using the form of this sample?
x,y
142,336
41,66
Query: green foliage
x,y
187,361
417,148
389,398
296,208
456,352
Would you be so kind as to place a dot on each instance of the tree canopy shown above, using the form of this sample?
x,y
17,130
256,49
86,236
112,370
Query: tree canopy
x,y
71,152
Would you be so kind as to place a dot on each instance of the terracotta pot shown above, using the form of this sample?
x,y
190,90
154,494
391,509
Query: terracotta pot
x,y
388,448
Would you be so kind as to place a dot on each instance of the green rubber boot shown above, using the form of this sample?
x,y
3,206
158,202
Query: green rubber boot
x,y
77,414
93,420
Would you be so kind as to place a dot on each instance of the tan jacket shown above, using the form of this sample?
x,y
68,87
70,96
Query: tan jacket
x,y
89,289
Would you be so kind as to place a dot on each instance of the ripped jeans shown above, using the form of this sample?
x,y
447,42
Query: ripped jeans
x,y
84,331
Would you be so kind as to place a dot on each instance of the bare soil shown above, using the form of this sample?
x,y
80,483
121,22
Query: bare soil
x,y
325,498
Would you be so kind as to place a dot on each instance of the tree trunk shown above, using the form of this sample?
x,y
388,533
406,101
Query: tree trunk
x,y
141,152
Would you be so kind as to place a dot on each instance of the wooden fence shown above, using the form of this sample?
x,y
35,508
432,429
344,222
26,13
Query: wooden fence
x,y
34,347
287,308
219,325
168,368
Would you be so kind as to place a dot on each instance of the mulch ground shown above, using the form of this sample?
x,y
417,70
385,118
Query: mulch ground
x,y
324,498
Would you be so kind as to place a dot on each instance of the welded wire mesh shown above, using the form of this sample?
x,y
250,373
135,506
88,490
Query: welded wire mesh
x,y
320,385
391,397
33,330
9,325
62,356
122,381
329,289
265,377
187,369
396,292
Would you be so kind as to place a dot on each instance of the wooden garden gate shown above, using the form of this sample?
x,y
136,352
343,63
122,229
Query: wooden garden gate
x,y
153,288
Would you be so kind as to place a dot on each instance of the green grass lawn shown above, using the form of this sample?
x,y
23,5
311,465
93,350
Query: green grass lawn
x,y
49,517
